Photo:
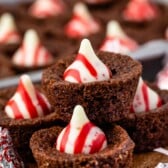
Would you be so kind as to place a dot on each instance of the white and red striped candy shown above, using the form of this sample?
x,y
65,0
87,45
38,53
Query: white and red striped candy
x,y
140,10
82,23
8,156
32,53
8,31
116,40
87,67
162,79
46,8
27,102
145,98
81,136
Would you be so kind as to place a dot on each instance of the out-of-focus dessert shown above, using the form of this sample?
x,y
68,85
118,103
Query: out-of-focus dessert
x,y
116,40
147,124
82,23
31,53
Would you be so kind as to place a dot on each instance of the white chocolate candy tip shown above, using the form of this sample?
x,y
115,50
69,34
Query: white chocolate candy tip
x,y
81,10
79,117
114,30
86,49
7,21
30,37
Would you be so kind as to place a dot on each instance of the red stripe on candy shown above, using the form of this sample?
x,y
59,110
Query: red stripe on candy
x,y
97,143
15,109
9,35
74,73
65,138
36,54
22,50
83,59
42,103
72,32
145,96
159,102
28,102
46,56
80,140
83,21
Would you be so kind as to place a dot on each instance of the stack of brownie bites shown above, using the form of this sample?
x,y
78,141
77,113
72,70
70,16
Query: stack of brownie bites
x,y
91,108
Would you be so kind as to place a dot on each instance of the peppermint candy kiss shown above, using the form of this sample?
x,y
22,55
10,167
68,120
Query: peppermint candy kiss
x,y
145,98
87,67
82,23
32,53
140,10
81,136
27,102
116,40
8,31
8,157
46,8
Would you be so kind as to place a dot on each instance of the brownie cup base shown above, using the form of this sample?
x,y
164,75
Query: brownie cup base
x,y
117,154
22,129
104,101
149,130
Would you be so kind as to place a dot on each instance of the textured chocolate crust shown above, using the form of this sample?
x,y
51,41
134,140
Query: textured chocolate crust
x,y
118,153
21,130
104,101
149,130
5,67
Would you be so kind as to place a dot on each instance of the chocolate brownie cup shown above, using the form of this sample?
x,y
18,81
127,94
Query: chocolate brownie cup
x,y
22,129
117,154
149,129
5,67
104,101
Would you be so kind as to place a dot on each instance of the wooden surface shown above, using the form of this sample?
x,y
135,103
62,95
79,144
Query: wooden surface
x,y
148,160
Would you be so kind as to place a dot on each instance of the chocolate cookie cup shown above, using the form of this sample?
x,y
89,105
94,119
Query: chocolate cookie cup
x,y
22,129
117,154
107,101
149,130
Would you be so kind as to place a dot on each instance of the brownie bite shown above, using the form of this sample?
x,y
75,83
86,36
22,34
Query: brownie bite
x,y
22,129
117,154
149,129
104,101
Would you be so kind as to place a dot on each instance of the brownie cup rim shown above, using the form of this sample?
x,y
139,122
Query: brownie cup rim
x,y
125,143
53,116
121,79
